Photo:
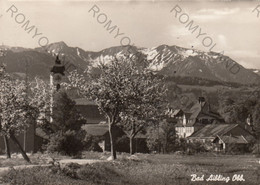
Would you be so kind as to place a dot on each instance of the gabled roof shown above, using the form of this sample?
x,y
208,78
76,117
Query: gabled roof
x,y
96,129
213,130
209,115
195,110
233,139
199,109
176,112
188,115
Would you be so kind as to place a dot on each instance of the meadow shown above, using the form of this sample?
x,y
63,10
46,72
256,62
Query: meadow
x,y
144,169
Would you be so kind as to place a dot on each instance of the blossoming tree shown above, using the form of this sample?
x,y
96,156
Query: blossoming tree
x,y
126,93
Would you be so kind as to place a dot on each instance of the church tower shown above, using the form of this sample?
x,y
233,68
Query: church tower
x,y
57,74
56,77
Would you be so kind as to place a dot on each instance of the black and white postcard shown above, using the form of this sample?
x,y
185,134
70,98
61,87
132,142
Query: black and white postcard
x,y
128,92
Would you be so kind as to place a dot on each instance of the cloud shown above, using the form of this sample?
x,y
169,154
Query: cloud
x,y
245,53
247,58
205,15
204,18
225,11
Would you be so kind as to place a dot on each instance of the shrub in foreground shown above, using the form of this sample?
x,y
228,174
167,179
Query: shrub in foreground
x,y
37,175
67,143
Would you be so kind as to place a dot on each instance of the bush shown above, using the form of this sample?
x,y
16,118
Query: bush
x,y
181,144
68,143
196,147
237,149
70,170
97,173
91,143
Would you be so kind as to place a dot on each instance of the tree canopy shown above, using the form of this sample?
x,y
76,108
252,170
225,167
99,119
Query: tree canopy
x,y
127,93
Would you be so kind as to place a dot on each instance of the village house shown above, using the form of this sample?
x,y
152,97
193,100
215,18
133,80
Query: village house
x,y
196,118
222,136
97,126
101,132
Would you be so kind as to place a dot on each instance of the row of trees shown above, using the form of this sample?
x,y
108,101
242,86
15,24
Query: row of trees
x,y
127,93
17,110
28,104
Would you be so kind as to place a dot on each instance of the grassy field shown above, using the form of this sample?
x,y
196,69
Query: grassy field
x,y
145,169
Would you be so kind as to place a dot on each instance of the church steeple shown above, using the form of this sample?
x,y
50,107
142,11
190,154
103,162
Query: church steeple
x,y
56,76
57,73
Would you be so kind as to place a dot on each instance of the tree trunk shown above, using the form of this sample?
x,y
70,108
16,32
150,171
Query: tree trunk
x,y
7,148
165,144
131,138
21,148
112,143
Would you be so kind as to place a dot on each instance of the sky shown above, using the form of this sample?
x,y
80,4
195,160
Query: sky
x,y
231,25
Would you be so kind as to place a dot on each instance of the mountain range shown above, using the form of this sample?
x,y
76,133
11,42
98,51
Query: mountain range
x,y
165,60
